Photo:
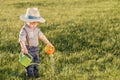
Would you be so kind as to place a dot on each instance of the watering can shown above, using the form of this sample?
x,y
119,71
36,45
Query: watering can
x,y
49,50
26,60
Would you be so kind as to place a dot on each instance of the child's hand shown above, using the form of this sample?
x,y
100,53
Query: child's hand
x,y
25,51
50,45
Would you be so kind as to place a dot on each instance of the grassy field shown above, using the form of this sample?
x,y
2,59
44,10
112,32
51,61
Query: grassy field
x,y
85,33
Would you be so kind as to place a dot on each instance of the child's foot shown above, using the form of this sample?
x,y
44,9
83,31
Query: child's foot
x,y
28,78
37,78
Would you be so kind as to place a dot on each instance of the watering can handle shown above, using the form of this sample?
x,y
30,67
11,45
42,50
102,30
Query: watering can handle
x,y
29,55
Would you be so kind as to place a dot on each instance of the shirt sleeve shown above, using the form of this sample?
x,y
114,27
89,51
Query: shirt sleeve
x,y
22,35
39,33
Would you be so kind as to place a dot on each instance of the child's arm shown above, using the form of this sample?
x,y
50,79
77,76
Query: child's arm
x,y
24,49
45,40
22,39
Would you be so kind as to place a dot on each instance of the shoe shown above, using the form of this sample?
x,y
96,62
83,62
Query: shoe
x,y
28,78
37,78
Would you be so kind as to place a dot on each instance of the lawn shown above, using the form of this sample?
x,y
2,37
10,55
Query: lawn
x,y
85,33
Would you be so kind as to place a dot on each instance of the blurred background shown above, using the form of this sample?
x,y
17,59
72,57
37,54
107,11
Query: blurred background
x,y
85,33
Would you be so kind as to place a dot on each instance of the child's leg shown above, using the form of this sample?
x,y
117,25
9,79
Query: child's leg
x,y
36,60
30,71
36,71
33,70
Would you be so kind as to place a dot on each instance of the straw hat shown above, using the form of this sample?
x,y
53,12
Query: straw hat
x,y
32,15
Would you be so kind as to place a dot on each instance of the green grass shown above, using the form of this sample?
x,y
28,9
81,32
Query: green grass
x,y
85,33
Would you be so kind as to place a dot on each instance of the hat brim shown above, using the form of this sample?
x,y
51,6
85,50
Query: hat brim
x,y
23,18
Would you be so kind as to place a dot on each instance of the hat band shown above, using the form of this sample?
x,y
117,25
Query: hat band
x,y
33,17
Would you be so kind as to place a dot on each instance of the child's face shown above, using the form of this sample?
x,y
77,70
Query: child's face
x,y
33,24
